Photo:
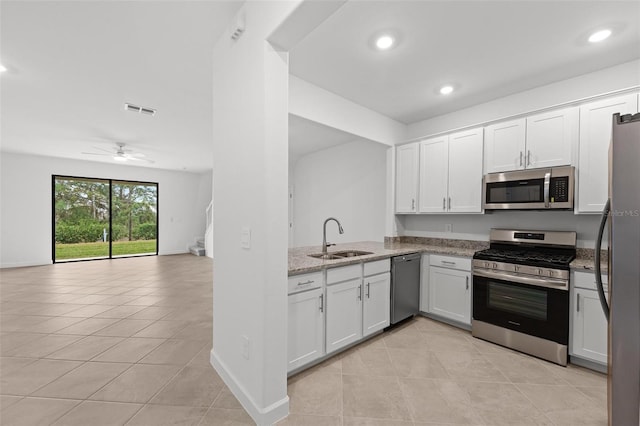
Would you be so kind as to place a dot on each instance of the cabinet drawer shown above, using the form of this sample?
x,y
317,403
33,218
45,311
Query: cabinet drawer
x,y
377,267
588,280
450,262
298,283
344,273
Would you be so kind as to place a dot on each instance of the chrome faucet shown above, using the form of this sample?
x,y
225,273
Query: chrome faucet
x,y
324,234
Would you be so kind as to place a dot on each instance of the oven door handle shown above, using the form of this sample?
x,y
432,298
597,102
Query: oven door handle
x,y
527,280
547,183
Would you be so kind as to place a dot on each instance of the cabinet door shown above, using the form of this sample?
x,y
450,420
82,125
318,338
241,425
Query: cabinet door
x,y
434,173
376,303
344,314
593,157
305,328
407,178
551,138
504,146
450,294
465,172
589,326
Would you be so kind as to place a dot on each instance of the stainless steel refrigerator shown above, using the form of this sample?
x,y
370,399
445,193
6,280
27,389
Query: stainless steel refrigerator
x,y
623,311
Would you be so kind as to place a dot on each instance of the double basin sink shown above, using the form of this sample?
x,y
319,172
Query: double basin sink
x,y
340,254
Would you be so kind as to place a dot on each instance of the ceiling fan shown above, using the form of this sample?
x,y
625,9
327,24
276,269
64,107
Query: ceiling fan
x,y
121,154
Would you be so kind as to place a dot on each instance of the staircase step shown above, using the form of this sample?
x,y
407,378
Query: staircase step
x,y
197,251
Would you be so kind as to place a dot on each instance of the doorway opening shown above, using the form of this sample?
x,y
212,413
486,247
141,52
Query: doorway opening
x,y
103,218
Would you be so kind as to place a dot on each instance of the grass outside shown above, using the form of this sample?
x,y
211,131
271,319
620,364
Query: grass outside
x,y
87,250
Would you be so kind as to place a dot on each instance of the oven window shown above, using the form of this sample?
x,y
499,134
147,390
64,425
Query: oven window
x,y
515,192
528,302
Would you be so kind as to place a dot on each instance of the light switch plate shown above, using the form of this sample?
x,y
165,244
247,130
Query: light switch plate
x,y
245,237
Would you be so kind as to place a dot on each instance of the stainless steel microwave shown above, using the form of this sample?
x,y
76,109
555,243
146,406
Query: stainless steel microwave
x,y
537,189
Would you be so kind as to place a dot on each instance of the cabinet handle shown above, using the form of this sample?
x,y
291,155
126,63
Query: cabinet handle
x,y
305,283
413,204
448,262
368,291
360,292
577,303
322,303
467,283
520,158
444,203
449,204
528,157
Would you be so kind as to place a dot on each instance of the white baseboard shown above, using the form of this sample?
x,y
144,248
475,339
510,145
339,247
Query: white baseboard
x,y
170,253
25,264
262,416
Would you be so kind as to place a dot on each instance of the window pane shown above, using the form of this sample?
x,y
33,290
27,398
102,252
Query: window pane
x,y
135,218
81,218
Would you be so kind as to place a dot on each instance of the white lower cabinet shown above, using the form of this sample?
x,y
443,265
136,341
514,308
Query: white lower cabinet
x,y
424,283
450,289
589,331
375,303
344,314
306,328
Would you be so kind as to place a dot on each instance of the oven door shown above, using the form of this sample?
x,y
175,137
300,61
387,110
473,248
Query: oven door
x,y
541,311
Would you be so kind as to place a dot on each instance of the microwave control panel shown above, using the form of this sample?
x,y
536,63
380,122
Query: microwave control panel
x,y
559,189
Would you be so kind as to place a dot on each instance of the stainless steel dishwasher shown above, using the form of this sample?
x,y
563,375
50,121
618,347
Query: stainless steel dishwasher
x,y
405,286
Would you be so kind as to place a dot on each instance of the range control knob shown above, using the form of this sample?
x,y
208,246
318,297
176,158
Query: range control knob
x,y
495,266
539,271
516,268
550,273
486,265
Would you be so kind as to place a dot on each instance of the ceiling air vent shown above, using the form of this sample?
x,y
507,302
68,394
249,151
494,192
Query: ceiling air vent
x,y
138,109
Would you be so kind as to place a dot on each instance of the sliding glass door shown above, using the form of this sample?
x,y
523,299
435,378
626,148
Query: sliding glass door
x,y
103,218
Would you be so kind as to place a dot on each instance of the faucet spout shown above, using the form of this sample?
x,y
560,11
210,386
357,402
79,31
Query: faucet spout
x,y
324,232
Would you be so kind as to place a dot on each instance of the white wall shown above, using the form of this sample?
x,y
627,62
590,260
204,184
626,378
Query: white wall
x,y
316,104
250,187
348,182
606,80
25,204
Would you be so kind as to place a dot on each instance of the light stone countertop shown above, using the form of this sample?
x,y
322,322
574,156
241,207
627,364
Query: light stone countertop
x,y
301,263
587,264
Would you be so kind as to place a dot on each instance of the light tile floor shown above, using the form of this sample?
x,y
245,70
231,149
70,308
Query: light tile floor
x,y
127,341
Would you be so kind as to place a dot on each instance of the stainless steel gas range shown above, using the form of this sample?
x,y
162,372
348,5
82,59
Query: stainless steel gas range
x,y
521,291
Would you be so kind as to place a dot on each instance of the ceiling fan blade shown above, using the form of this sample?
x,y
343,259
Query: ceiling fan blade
x,y
95,153
110,151
140,159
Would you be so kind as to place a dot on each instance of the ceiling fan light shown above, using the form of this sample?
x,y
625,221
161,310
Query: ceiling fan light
x,y
599,36
119,158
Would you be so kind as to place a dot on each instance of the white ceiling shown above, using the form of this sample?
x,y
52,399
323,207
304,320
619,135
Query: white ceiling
x,y
488,49
72,65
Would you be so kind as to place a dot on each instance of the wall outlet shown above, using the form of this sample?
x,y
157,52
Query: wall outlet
x,y
448,227
245,347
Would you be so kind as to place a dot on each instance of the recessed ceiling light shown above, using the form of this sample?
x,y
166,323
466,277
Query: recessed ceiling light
x,y
445,90
599,36
2,68
385,42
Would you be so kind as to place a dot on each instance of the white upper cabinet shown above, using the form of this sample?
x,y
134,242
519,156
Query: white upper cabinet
x,y
407,178
451,173
434,174
551,138
505,146
542,140
595,136
465,172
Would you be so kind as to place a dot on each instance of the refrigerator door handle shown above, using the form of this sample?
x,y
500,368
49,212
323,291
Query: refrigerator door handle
x,y
598,270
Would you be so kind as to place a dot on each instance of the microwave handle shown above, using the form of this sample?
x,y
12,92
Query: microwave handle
x,y
547,181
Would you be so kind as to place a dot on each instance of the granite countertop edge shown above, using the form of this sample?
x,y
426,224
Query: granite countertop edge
x,y
301,263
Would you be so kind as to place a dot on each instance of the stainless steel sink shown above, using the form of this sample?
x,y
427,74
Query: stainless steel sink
x,y
330,256
340,254
351,253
